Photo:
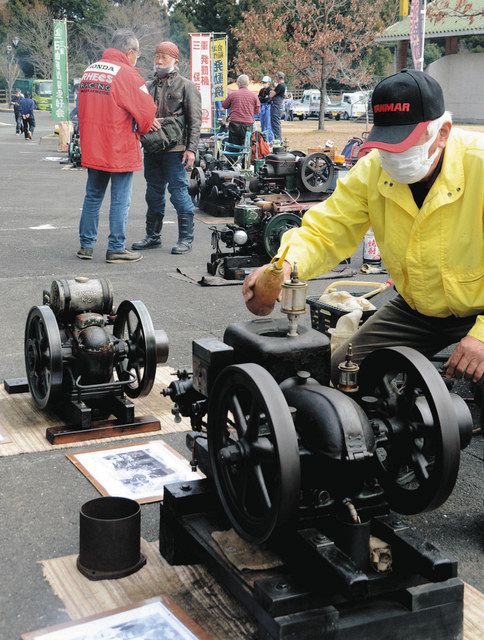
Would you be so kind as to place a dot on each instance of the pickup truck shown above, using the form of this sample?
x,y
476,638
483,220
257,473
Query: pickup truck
x,y
352,105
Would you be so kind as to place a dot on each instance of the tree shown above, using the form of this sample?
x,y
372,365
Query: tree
x,y
214,15
146,18
34,30
439,10
259,53
327,38
9,69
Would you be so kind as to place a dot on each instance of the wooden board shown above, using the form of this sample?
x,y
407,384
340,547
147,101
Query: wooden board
x,y
25,425
191,587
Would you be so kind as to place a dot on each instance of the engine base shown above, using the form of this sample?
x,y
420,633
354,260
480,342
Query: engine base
x,y
401,605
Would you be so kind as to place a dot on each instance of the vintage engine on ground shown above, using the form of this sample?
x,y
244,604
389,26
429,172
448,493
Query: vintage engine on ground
x,y
82,357
313,472
217,190
251,240
304,176
290,182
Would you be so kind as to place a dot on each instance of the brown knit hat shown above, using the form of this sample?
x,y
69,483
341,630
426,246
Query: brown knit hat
x,y
168,48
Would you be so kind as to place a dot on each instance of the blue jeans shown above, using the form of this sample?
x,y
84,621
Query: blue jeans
x,y
276,122
164,170
265,121
97,182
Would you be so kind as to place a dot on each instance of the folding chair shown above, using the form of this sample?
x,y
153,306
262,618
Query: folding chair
x,y
232,152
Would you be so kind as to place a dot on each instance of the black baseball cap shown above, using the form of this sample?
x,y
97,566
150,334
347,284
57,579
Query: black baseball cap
x,y
403,104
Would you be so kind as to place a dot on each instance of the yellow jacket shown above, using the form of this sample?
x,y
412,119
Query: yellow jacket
x,y
435,254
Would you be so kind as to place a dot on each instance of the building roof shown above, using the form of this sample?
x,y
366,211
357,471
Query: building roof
x,y
453,24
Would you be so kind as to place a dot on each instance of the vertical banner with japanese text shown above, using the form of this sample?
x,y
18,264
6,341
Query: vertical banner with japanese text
x,y
219,68
201,74
417,32
60,94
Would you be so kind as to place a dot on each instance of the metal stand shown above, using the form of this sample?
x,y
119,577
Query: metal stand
x,y
321,591
86,413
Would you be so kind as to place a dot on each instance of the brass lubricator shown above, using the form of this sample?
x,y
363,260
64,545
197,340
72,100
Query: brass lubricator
x,y
348,373
293,302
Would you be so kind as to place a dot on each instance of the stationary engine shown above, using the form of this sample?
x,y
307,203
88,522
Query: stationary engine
x,y
82,356
302,176
217,190
286,449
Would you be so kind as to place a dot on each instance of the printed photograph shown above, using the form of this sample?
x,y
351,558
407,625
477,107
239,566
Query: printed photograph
x,y
151,621
138,471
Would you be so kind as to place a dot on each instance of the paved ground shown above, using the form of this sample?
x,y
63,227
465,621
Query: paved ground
x,y
40,494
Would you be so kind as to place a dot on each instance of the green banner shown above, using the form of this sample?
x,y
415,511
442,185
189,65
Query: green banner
x,y
60,93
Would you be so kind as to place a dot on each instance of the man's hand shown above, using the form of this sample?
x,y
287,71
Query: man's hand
x,y
156,125
467,360
253,304
188,159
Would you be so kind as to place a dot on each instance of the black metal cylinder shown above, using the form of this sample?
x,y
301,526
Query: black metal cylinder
x,y
109,540
354,540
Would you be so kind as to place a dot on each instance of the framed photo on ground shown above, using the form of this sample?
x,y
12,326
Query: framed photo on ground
x,y
155,619
137,471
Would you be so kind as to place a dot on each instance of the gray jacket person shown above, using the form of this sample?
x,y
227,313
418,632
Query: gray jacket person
x,y
170,151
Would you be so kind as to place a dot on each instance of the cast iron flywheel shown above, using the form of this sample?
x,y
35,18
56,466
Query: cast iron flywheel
x,y
253,451
419,460
43,355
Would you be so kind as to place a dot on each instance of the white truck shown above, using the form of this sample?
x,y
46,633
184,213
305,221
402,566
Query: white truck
x,y
352,105
309,105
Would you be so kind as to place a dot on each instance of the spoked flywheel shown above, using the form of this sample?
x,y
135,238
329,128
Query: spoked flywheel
x,y
43,355
419,457
145,347
253,450
316,172
275,228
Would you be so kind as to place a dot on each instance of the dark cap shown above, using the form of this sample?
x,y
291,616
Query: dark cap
x,y
403,105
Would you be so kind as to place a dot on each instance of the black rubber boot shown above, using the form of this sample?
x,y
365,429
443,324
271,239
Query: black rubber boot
x,y
152,240
185,234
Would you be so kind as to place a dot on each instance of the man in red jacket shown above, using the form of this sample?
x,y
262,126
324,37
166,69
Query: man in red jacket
x,y
115,108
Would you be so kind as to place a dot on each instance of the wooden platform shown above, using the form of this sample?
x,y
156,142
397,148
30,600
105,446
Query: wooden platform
x,y
192,588
23,425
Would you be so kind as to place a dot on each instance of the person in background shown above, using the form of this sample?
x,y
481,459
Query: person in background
x,y
420,189
27,106
15,102
243,105
288,106
277,102
265,108
175,97
114,109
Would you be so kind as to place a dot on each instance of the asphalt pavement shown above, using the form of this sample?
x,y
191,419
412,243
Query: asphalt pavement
x,y
41,493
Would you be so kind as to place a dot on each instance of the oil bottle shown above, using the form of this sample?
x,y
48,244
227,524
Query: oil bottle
x,y
268,284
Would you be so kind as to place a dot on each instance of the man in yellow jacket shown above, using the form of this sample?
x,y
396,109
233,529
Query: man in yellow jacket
x,y
421,188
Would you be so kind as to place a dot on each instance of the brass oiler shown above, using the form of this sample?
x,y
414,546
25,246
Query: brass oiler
x,y
293,302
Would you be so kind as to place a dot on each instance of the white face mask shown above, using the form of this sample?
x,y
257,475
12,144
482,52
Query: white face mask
x,y
411,165
162,71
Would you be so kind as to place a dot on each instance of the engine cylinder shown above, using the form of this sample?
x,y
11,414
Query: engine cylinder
x,y
68,298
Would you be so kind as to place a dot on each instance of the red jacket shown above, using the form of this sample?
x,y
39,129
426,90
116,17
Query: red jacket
x,y
113,98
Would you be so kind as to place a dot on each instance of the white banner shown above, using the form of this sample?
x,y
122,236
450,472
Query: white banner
x,y
201,74
417,32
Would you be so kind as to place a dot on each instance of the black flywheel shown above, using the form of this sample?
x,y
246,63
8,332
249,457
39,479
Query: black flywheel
x,y
43,355
133,325
253,450
419,459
